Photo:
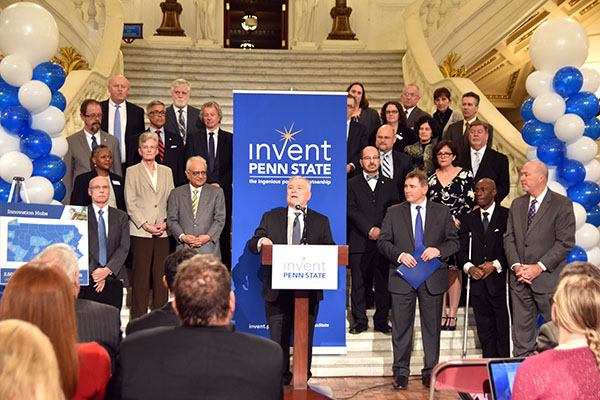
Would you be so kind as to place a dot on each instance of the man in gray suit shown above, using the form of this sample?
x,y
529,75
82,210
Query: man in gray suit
x,y
410,98
540,234
196,212
78,157
458,132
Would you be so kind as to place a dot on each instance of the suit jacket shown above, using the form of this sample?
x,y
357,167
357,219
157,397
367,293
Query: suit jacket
x,y
414,116
366,209
402,166
135,125
174,156
117,242
164,316
493,165
81,197
357,140
488,246
200,362
369,118
549,239
209,219
397,237
455,132
144,203
97,322
274,226
78,157
194,123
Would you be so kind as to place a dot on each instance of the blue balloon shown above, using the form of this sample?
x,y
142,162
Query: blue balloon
x,y
536,132
15,120
4,190
526,109
8,95
51,74
552,152
570,172
50,167
586,193
593,216
584,104
592,128
577,254
58,100
567,81
59,191
35,144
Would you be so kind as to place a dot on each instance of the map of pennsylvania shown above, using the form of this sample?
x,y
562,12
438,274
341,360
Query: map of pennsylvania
x,y
25,241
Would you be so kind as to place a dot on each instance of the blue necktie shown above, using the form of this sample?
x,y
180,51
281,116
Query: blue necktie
x,y
94,142
117,130
101,239
211,152
418,229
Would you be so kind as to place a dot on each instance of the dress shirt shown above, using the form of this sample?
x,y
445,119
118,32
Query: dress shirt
x,y
153,177
474,157
215,136
111,123
468,265
88,137
161,133
348,128
105,216
408,111
372,182
192,188
465,122
291,216
413,219
185,115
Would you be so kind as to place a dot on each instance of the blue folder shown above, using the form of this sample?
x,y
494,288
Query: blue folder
x,y
417,275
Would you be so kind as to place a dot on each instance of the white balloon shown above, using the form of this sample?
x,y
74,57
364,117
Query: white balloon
x,y
15,70
592,171
580,215
552,173
29,30
532,153
8,142
51,120
587,237
35,96
557,187
583,150
59,146
548,107
593,256
591,80
14,164
569,127
557,43
56,203
539,82
39,190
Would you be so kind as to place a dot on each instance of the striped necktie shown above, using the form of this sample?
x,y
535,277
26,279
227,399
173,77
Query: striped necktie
x,y
195,201
181,125
161,147
385,166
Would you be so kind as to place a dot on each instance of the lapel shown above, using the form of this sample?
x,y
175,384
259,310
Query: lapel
x,y
523,214
429,222
187,201
110,239
365,189
491,226
407,221
202,200
144,175
83,143
485,159
204,144
220,144
542,210
283,224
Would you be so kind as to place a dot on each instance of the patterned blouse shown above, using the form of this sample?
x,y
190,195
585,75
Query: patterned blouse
x,y
458,195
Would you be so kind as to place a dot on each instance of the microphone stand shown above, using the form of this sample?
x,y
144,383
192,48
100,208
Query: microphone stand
x,y
303,239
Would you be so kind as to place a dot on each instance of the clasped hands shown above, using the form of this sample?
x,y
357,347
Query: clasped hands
x,y
195,241
99,275
482,271
429,254
155,229
526,273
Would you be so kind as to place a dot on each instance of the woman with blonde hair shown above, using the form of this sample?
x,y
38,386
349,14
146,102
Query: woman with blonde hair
x,y
28,366
572,369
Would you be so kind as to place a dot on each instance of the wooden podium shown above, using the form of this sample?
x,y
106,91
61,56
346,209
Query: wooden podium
x,y
301,320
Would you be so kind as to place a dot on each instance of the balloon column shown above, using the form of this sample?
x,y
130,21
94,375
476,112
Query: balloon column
x,y
31,107
562,127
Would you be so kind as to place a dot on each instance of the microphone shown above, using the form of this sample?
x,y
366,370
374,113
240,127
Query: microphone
x,y
297,206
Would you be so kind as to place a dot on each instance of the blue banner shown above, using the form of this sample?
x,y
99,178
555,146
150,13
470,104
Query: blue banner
x,y
279,135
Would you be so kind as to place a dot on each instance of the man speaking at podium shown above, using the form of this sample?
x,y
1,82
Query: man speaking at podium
x,y
294,224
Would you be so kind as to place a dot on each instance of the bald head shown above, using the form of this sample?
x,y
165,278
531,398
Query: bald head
x,y
385,138
485,191
534,177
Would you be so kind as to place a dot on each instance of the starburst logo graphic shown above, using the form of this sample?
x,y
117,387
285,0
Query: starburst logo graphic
x,y
287,135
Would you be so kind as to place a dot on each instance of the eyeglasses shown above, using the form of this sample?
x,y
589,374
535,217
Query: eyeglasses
x,y
93,115
392,112
406,94
440,154
197,173
367,158
104,187
157,112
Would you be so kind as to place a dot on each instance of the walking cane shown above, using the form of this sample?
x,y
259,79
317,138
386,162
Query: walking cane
x,y
510,337
467,303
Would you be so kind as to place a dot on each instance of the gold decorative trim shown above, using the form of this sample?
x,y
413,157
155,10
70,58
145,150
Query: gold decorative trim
x,y
71,61
447,67
573,2
588,8
496,68
524,37
511,88
480,67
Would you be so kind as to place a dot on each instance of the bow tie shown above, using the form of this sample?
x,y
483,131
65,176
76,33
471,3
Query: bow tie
x,y
369,177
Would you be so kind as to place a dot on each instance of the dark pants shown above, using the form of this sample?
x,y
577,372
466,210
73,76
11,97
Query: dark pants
x,y
491,317
362,266
112,294
148,263
526,305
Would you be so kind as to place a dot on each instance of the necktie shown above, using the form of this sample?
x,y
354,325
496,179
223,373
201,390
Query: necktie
x,y
466,133
296,235
387,171
117,126
486,221
94,142
406,113
531,212
101,239
211,152
418,229
370,177
161,147
477,162
181,125
195,201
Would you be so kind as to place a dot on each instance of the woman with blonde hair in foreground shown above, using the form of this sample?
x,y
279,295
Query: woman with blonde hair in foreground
x,y
28,366
572,369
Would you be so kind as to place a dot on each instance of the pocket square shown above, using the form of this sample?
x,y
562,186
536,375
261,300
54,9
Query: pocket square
x,y
173,146
116,183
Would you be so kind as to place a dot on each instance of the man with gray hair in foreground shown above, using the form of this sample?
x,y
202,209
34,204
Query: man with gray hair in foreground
x,y
205,357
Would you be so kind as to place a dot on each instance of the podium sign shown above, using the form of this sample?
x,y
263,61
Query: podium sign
x,y
305,267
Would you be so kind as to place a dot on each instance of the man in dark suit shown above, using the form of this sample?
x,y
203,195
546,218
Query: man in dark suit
x,y
182,118
369,196
486,162
220,363
458,132
356,138
107,248
416,223
130,123
164,316
394,164
540,234
284,226
482,257
171,151
410,98
216,146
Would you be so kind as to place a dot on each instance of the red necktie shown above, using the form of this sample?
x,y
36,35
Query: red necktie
x,y
161,147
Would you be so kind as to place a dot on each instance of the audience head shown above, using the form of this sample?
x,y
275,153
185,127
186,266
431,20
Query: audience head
x,y
392,112
470,105
180,92
582,268
485,190
478,135
534,177
118,88
195,171
40,293
357,90
62,255
211,115
203,295
91,115
28,366
410,96
441,99
427,128
298,191
99,191
156,114
416,186
369,160
102,157
351,105
385,138
172,263
442,152
148,146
